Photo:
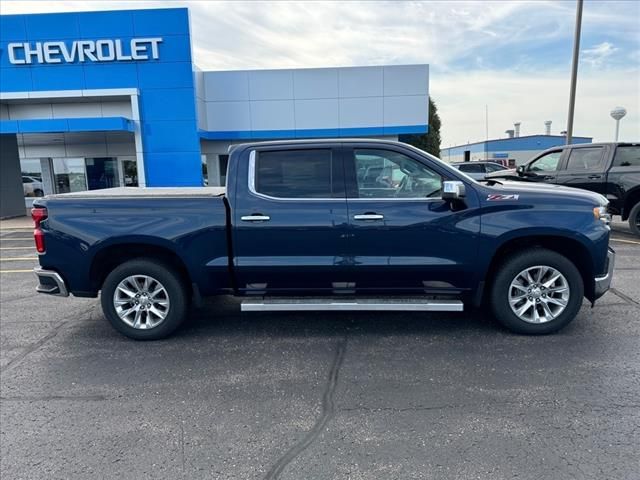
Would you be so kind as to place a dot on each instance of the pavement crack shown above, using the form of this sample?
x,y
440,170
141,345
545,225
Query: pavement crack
x,y
33,347
328,411
626,298
47,398
40,343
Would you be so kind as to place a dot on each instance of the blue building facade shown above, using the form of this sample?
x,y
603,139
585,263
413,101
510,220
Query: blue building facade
x,y
512,150
164,85
99,99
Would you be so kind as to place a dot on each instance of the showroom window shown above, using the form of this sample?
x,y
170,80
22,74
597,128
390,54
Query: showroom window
x,y
32,177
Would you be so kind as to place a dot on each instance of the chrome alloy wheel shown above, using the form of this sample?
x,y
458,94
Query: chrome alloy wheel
x,y
539,294
141,302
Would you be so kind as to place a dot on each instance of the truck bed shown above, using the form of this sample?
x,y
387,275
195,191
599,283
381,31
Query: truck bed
x,y
133,192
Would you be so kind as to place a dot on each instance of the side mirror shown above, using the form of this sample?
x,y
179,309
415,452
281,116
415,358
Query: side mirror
x,y
520,170
453,190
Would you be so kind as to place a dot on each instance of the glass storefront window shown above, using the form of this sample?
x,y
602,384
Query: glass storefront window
x,y
224,163
32,177
69,175
205,170
130,173
102,173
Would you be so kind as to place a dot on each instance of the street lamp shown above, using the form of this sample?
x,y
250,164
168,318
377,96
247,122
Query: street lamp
x,y
617,114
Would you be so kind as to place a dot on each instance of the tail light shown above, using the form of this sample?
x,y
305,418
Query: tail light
x,y
39,214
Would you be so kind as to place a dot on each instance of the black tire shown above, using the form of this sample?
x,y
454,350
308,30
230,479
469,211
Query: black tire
x,y
38,193
170,280
509,270
634,219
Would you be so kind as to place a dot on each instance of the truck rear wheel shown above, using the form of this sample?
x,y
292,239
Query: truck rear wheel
x,y
634,219
536,292
144,299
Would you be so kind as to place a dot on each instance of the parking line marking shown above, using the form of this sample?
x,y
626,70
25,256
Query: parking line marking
x,y
17,248
17,259
21,239
624,241
17,271
14,229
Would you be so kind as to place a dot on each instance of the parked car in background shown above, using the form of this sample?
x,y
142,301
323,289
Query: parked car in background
x,y
329,225
478,169
32,186
611,169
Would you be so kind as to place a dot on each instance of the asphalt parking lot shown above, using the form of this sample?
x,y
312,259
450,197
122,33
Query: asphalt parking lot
x,y
306,396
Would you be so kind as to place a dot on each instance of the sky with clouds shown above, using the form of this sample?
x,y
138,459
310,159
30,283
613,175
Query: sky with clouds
x,y
514,56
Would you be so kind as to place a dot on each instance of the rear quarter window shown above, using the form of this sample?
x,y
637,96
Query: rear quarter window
x,y
627,156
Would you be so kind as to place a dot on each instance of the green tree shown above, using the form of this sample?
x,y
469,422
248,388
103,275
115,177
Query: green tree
x,y
430,141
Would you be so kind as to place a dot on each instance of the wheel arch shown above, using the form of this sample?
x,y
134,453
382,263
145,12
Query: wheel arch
x,y
116,253
570,248
630,201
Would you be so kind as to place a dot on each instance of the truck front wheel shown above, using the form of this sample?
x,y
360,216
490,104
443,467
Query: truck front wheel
x,y
144,299
536,292
634,219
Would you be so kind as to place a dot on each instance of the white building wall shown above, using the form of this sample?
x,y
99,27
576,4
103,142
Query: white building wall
x,y
53,110
322,98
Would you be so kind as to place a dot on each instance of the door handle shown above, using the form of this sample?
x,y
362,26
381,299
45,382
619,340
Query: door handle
x,y
594,177
255,218
368,216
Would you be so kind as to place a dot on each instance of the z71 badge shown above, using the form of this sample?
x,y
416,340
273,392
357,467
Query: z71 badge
x,y
496,197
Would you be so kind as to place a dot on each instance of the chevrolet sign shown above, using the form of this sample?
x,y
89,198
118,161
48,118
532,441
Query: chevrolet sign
x,y
83,50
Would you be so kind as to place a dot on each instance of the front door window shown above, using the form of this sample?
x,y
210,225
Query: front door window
x,y
388,174
546,163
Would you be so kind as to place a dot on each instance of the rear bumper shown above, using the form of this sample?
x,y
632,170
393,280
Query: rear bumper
x,y
603,282
50,282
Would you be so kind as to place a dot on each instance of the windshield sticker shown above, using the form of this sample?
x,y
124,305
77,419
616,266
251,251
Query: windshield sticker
x,y
496,197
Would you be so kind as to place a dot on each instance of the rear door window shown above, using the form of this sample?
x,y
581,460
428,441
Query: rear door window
x,y
585,159
627,156
294,173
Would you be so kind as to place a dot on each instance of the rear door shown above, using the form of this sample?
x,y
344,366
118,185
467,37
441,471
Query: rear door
x,y
403,236
290,220
584,167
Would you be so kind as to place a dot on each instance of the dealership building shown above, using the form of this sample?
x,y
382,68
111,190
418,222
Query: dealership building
x,y
94,100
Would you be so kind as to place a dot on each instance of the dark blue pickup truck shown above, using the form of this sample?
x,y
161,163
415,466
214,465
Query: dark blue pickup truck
x,y
329,225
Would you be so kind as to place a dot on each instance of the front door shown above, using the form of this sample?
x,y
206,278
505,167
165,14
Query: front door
x,y
290,221
403,236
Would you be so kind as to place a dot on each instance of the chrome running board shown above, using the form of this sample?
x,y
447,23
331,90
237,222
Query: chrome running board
x,y
277,304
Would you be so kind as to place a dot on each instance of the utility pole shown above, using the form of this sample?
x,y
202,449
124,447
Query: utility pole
x,y
486,132
574,71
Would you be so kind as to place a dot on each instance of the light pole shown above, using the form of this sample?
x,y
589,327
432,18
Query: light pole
x,y
574,71
617,114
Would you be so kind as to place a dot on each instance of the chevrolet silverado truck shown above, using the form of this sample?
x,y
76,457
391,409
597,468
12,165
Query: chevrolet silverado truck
x,y
611,169
317,225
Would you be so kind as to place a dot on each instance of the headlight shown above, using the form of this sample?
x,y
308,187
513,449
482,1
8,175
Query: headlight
x,y
600,213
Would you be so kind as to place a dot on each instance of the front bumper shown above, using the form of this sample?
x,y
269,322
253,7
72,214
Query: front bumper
x,y
50,282
603,282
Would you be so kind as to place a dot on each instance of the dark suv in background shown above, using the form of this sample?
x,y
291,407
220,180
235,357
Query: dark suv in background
x,y
611,169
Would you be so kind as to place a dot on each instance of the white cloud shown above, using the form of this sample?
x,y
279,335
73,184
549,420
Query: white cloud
x,y
598,54
532,99
460,40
